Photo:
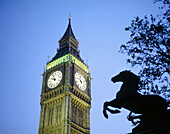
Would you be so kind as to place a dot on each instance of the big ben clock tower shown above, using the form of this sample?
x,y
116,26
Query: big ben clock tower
x,y
66,91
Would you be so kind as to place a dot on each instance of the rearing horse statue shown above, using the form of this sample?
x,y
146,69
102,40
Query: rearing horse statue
x,y
130,99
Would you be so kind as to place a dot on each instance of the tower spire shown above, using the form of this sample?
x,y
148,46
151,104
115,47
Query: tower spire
x,y
68,44
69,31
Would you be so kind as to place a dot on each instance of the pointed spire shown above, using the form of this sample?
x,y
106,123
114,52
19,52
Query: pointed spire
x,y
69,31
68,44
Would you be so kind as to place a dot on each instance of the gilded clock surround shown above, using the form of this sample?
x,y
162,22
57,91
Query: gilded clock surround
x,y
65,109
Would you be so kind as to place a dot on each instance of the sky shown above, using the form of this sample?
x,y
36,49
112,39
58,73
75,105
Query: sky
x,y
29,33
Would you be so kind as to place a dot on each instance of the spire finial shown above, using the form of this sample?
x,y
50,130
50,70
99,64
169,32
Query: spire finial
x,y
69,16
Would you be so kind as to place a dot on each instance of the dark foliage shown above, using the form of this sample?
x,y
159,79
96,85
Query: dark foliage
x,y
149,47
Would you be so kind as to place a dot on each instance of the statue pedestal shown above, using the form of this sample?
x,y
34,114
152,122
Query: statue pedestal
x,y
162,130
154,124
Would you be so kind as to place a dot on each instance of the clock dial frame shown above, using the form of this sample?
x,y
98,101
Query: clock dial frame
x,y
80,81
54,79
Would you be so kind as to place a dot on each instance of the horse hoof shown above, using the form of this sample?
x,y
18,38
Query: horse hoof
x,y
105,114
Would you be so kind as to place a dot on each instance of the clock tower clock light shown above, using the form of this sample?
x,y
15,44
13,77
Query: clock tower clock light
x,y
66,90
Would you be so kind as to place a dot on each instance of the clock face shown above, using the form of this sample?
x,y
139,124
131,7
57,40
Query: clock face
x,y
80,81
54,79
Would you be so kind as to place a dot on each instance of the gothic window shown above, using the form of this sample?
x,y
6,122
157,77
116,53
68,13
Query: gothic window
x,y
46,115
52,109
57,112
81,117
74,114
49,115
77,115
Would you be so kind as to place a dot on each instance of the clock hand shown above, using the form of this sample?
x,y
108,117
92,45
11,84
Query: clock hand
x,y
53,79
80,81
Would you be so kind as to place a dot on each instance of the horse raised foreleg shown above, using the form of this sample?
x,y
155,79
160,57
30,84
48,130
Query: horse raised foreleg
x,y
113,111
104,109
112,103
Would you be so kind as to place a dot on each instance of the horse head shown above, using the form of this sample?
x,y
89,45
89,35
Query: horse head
x,y
122,76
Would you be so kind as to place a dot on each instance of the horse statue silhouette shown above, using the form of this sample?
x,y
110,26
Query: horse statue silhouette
x,y
153,108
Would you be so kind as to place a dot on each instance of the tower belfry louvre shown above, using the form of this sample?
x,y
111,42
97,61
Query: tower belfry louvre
x,y
66,90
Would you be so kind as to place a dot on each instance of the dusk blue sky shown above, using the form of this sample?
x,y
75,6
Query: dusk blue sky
x,y
30,31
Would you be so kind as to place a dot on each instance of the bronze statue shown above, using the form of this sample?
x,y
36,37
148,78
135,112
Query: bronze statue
x,y
152,108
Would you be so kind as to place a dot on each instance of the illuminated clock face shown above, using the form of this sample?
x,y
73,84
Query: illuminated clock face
x,y
54,79
80,81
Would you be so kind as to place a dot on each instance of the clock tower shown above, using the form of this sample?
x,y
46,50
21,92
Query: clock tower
x,y
66,90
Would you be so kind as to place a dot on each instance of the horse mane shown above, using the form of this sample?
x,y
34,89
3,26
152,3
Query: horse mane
x,y
132,75
135,77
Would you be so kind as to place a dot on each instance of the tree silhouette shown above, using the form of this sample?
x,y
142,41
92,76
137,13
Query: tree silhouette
x,y
149,48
